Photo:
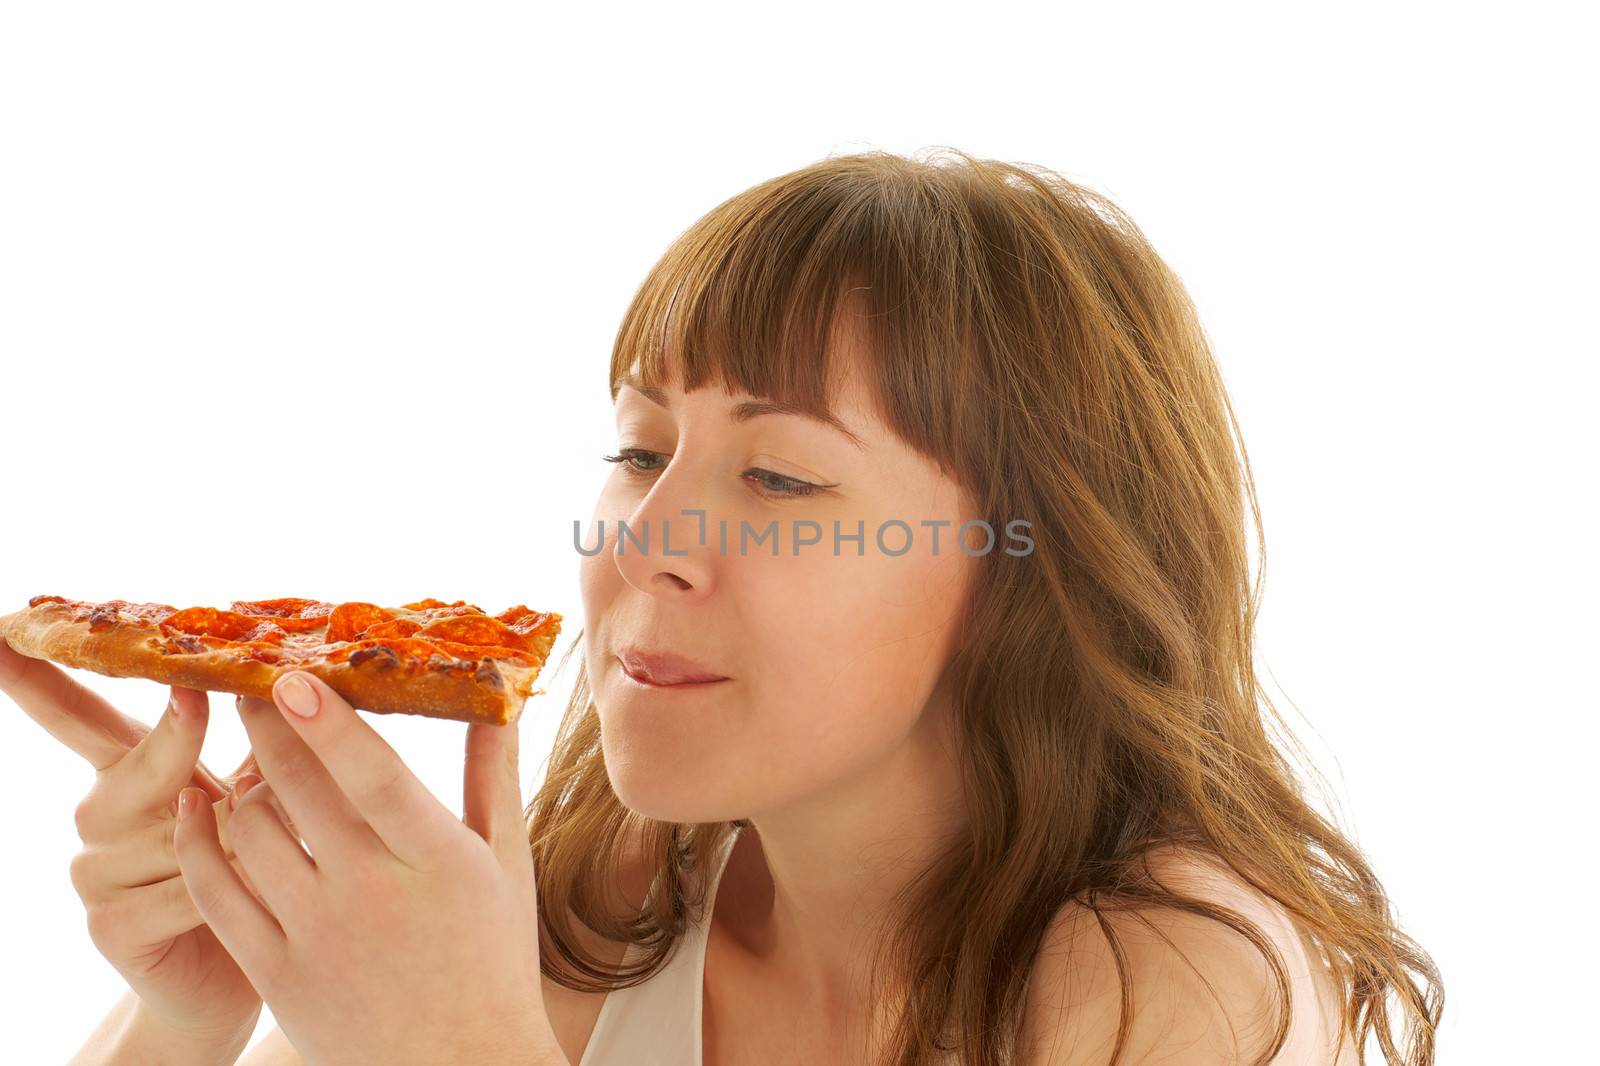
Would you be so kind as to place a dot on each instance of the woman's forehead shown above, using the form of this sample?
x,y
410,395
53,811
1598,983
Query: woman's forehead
x,y
741,406
845,379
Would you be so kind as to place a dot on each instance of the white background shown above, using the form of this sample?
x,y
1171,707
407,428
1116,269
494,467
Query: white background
x,y
317,300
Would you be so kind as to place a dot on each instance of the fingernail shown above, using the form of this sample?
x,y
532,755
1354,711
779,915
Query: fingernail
x,y
185,803
172,707
240,787
297,696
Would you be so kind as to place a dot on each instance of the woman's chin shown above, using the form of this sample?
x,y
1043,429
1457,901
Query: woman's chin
x,y
666,798
653,776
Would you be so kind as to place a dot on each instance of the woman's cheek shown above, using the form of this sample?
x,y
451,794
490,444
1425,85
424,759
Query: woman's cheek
x,y
597,578
846,658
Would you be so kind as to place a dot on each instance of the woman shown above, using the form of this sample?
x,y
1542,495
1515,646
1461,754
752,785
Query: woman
x,y
941,799
917,720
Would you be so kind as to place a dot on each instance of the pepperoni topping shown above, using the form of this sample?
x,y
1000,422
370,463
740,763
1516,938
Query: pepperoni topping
x,y
525,621
266,633
349,620
400,627
212,622
290,615
478,651
474,629
404,648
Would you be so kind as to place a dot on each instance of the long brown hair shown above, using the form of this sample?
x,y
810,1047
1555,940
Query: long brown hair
x,y
1026,337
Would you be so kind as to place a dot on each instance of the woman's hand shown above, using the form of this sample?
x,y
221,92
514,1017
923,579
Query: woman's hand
x,y
139,912
405,936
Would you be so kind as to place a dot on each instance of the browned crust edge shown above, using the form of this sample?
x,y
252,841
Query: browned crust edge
x,y
494,693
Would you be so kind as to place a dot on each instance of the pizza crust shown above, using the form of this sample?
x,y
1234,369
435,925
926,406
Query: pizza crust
x,y
485,690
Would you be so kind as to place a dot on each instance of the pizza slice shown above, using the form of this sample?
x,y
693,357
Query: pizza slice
x,y
442,660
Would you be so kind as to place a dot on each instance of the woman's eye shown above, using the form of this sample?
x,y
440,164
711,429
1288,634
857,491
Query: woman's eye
x,y
639,462
779,484
629,456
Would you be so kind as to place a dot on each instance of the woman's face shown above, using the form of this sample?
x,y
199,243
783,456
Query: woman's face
x,y
829,658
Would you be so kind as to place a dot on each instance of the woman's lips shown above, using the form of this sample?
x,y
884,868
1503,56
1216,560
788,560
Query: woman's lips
x,y
675,686
665,670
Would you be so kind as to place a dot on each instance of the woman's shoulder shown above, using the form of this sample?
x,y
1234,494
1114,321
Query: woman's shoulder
x,y
1201,992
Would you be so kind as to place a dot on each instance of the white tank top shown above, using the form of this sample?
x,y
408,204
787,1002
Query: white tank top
x,y
657,1023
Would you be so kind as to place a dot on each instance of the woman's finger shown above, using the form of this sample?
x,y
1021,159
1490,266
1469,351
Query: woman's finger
x,y
386,795
78,716
147,778
240,921
323,815
244,783
491,802
132,858
279,872
136,858
143,917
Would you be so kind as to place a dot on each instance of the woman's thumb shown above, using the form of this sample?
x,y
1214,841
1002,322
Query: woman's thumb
x,y
163,762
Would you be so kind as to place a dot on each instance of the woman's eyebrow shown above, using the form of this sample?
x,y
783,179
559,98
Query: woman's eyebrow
x,y
649,392
744,412
748,409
